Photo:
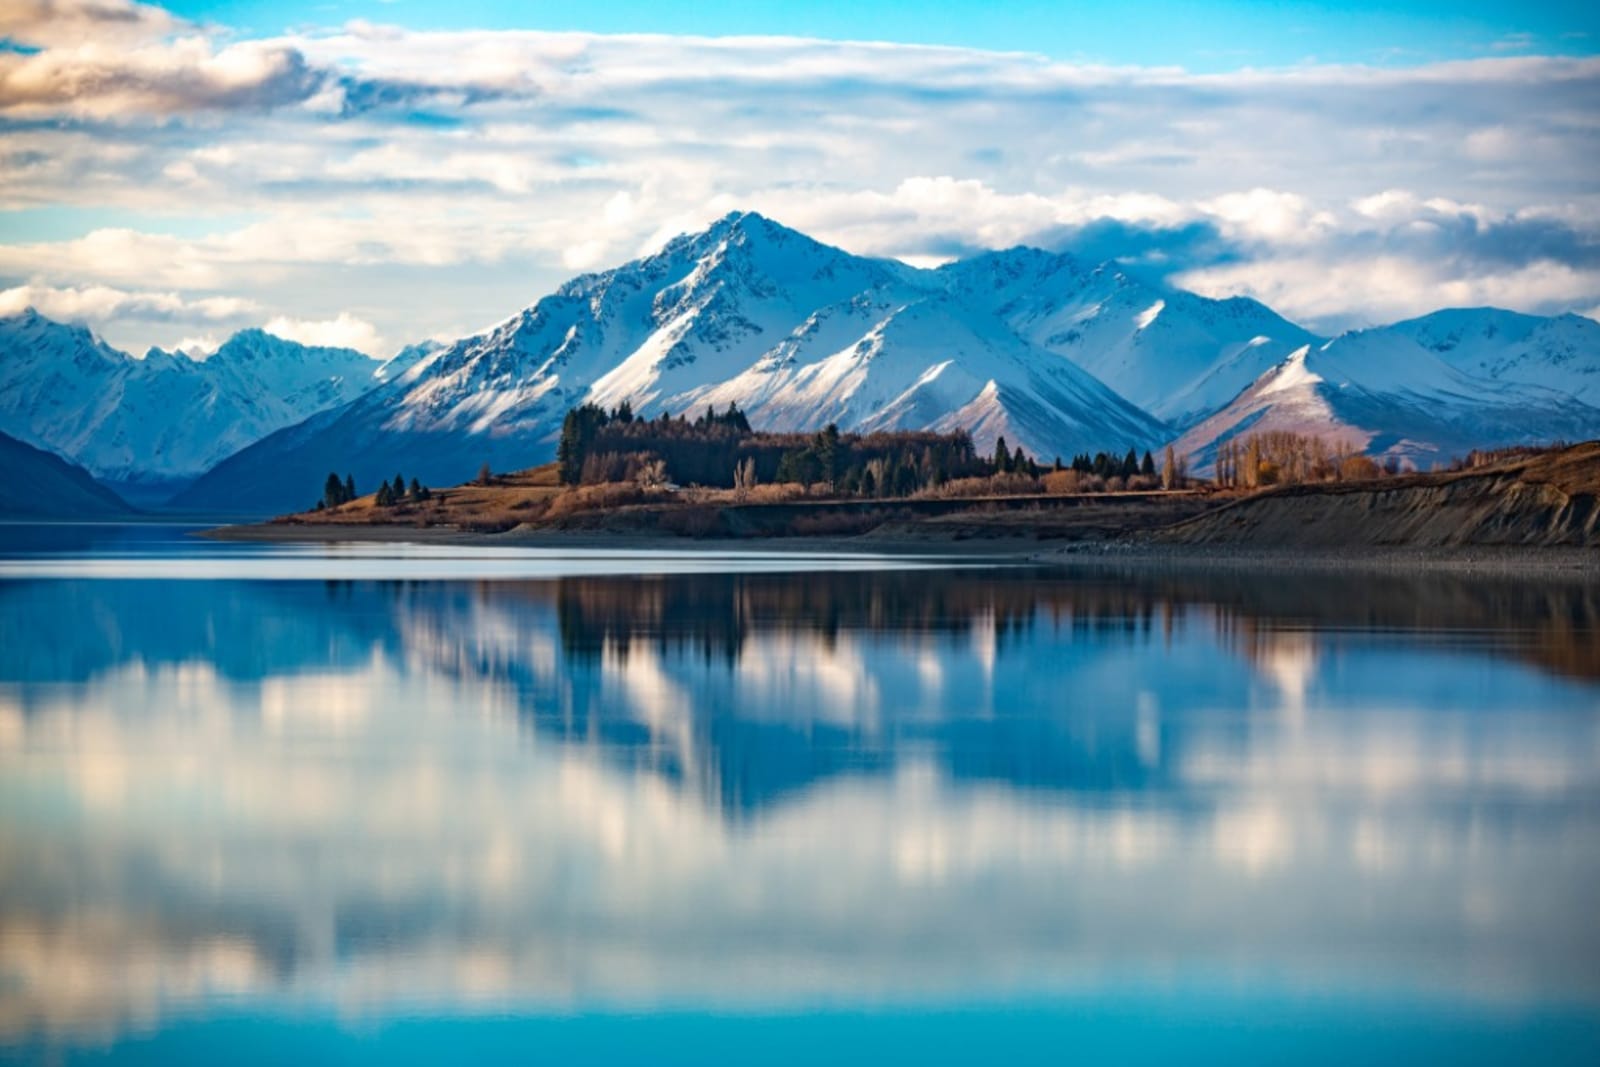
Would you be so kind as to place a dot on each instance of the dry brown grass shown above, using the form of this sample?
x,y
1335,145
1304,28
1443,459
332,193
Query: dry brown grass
x,y
601,497
993,485
505,501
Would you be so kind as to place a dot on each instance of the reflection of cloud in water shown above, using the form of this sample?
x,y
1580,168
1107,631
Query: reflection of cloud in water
x,y
480,803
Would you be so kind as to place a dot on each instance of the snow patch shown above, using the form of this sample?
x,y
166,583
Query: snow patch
x,y
1292,374
1148,315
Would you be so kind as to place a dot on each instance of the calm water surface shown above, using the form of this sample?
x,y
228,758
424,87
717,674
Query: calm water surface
x,y
262,804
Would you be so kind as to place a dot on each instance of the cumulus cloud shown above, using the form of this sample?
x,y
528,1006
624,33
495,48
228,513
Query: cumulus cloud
x,y
345,331
100,303
42,23
433,182
113,58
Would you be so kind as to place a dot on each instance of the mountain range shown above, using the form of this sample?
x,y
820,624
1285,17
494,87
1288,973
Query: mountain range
x,y
1055,354
149,426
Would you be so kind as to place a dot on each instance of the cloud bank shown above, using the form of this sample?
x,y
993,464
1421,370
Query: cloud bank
x,y
429,183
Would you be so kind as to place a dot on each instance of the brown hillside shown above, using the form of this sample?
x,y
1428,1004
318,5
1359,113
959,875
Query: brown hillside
x,y
1546,498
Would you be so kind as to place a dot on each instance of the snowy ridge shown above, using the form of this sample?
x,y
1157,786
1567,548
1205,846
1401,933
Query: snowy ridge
x,y
1503,346
1174,354
1387,393
165,417
798,334
1054,354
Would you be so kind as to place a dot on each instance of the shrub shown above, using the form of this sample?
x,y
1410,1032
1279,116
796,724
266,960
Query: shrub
x,y
598,497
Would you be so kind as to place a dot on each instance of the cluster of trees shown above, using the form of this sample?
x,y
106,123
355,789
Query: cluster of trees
x,y
1110,465
689,449
397,492
336,492
720,450
1280,457
1007,462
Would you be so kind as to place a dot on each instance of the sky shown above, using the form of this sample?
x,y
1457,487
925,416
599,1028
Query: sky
x,y
377,173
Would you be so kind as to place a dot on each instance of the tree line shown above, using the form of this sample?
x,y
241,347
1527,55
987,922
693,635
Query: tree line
x,y
1109,465
1280,457
337,491
719,449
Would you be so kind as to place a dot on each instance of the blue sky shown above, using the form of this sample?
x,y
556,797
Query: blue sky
x,y
1197,36
377,173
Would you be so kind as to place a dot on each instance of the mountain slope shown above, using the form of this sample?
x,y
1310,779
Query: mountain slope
x,y
747,312
1054,355
1560,353
166,417
1382,393
1176,355
40,485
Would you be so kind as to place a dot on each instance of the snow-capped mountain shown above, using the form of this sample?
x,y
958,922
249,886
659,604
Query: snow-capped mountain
x,y
798,334
1176,355
166,418
1390,392
1558,353
1053,354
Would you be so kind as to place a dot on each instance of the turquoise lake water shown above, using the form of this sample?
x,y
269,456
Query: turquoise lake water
x,y
265,804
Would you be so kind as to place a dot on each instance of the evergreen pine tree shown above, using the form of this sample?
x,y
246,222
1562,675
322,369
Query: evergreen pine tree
x,y
1148,466
332,491
1002,456
416,490
349,488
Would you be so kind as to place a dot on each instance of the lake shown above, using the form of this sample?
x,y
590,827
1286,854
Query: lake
x,y
266,803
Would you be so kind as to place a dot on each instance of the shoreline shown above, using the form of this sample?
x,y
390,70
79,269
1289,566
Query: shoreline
x,y
1569,564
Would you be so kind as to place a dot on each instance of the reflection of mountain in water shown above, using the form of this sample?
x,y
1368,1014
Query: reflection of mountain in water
x,y
776,790
747,688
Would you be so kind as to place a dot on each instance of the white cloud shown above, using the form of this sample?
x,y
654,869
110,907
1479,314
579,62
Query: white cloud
x,y
57,22
345,331
432,182
99,303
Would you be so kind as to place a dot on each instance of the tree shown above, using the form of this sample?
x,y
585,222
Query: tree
x,y
349,488
397,489
869,484
1169,470
385,495
333,491
416,490
1148,466
827,448
484,474
578,430
1002,456
1130,464
1019,462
